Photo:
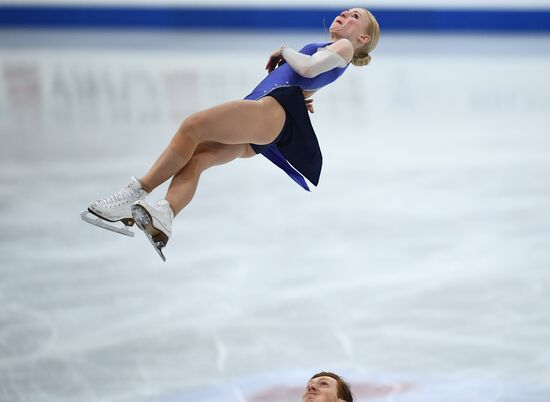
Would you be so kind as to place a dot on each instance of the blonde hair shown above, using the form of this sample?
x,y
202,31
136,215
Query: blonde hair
x,y
362,57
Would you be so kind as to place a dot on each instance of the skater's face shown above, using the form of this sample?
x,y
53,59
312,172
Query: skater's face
x,y
321,389
351,24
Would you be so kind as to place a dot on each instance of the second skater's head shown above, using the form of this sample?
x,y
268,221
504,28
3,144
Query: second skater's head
x,y
327,387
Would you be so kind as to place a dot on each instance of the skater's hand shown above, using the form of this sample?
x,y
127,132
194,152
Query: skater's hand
x,y
309,105
275,60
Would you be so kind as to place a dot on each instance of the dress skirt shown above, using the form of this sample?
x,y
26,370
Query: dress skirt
x,y
297,143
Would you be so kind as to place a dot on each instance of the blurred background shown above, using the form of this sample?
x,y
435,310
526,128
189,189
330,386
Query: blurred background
x,y
418,269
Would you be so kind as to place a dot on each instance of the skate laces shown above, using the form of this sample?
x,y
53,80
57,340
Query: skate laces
x,y
122,195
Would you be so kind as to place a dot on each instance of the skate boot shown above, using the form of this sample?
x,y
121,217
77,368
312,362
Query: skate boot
x,y
116,208
155,221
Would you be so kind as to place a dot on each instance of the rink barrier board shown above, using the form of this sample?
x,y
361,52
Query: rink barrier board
x,y
269,19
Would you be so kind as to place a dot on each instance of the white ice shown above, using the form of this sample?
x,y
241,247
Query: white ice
x,y
418,269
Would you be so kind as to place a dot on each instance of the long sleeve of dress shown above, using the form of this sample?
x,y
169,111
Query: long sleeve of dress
x,y
311,66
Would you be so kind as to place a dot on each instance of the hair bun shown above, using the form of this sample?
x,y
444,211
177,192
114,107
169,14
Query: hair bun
x,y
361,60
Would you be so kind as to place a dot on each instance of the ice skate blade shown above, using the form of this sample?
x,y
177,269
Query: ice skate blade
x,y
144,221
101,223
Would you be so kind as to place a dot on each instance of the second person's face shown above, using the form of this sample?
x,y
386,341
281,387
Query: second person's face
x,y
321,389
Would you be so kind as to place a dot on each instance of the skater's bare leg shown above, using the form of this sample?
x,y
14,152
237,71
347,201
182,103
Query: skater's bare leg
x,y
164,167
184,184
236,122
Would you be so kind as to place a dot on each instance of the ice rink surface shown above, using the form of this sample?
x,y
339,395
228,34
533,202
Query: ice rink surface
x,y
418,269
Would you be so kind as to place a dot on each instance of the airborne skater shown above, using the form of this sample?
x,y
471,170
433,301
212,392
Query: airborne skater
x,y
272,120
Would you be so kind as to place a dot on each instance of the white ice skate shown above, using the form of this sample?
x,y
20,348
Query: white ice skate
x,y
116,208
155,221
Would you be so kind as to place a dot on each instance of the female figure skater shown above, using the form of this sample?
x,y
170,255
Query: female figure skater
x,y
272,120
